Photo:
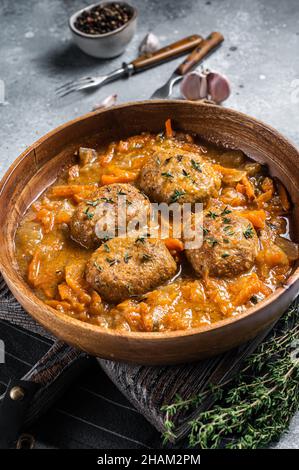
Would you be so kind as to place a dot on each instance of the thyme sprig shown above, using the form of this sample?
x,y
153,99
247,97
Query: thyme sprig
x,y
255,408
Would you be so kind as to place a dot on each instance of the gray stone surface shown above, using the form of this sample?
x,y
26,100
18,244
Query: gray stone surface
x,y
260,56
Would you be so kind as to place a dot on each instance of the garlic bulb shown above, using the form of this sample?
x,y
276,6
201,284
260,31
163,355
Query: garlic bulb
x,y
218,87
194,85
205,84
149,44
106,103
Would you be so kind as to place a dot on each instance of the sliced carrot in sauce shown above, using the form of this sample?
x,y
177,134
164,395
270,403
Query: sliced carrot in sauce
x,y
74,278
245,287
264,198
174,244
70,190
249,189
168,128
125,178
256,217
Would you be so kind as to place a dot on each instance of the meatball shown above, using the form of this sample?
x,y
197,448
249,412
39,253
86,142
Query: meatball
x,y
125,267
230,245
103,207
180,177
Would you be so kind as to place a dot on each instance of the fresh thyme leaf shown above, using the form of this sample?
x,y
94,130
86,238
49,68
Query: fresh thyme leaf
x,y
228,230
212,241
212,215
167,174
106,248
196,165
248,233
226,211
93,203
121,193
96,265
225,255
167,160
107,199
253,409
225,240
146,257
176,195
226,220
127,257
140,240
88,214
111,261
205,231
179,158
185,173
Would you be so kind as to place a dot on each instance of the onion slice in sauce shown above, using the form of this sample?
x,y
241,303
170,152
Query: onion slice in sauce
x,y
290,248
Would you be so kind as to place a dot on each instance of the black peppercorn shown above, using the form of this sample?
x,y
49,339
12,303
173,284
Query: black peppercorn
x,y
103,18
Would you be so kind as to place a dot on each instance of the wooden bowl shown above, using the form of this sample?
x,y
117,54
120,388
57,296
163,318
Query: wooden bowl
x,y
38,166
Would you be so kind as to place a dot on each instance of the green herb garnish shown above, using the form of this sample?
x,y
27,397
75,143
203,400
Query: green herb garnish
x,y
252,409
212,215
248,233
226,211
167,174
176,195
212,241
88,214
96,265
196,165
107,199
106,248
93,203
127,257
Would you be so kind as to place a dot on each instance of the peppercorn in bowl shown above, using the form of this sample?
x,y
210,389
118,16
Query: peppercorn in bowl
x,y
104,30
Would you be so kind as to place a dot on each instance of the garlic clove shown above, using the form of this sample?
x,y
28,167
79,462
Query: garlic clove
x,y
106,103
218,87
149,44
194,85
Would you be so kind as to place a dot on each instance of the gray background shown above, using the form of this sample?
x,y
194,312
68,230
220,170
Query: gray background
x,y
260,57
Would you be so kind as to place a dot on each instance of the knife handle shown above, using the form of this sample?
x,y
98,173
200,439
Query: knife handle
x,y
162,55
212,41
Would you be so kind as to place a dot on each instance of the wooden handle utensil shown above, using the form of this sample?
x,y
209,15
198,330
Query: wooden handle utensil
x,y
205,46
162,55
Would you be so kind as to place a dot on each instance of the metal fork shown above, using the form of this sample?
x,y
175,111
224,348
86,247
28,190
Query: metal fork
x,y
205,47
90,82
137,65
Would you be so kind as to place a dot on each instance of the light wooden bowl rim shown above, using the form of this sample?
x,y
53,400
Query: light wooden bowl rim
x,y
23,287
